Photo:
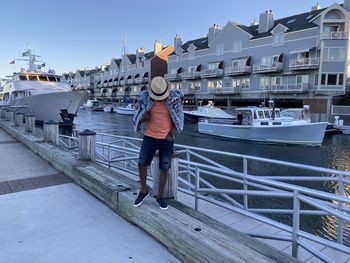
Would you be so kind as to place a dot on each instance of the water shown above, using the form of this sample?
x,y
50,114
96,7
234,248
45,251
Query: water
x,y
334,153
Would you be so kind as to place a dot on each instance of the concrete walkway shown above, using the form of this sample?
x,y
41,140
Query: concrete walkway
x,y
57,221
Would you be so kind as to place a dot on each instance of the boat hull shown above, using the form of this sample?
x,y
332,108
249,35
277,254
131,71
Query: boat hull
x,y
307,134
125,111
57,106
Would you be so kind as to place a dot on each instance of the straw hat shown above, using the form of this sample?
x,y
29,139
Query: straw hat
x,y
158,89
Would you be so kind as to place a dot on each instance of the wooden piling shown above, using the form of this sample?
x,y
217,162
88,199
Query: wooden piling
x,y
29,124
170,189
87,145
51,132
18,120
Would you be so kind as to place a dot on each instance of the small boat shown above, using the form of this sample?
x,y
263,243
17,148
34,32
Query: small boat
x,y
265,125
34,91
109,108
128,109
97,105
207,111
339,124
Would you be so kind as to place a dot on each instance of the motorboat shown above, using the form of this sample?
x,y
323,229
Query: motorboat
x,y
34,91
128,109
109,108
208,111
97,105
265,124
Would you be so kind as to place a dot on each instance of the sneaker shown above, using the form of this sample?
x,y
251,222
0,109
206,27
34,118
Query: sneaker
x,y
162,203
140,198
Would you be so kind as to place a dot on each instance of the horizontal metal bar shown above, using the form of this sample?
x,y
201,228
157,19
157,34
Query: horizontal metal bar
x,y
287,211
246,192
274,237
314,251
301,178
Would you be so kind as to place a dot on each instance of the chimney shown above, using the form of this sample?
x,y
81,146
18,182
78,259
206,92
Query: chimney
x,y
177,41
316,7
213,31
266,21
347,5
158,46
140,52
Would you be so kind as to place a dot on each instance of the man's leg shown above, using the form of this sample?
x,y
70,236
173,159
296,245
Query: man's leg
x,y
162,181
143,178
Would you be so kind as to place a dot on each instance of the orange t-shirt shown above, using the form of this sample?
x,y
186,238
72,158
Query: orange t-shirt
x,y
159,122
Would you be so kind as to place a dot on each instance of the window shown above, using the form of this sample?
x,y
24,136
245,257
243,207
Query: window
x,y
242,83
238,63
237,46
215,84
278,39
292,21
334,54
332,79
276,81
269,61
264,82
220,50
213,66
173,71
316,80
195,85
302,79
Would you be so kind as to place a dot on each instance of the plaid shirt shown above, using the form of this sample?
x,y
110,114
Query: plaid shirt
x,y
174,103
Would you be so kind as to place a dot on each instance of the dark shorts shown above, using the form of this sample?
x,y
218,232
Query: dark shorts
x,y
150,146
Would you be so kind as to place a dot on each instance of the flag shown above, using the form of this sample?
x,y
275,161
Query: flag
x,y
43,65
12,62
26,53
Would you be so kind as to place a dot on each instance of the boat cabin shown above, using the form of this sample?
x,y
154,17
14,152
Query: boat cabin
x,y
258,116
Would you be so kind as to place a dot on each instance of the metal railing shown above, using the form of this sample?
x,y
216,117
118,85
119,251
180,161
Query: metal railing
x,y
212,73
191,75
334,35
288,88
197,172
340,110
262,68
304,63
237,70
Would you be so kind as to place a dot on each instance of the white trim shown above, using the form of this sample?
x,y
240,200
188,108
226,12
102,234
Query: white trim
x,y
300,51
335,5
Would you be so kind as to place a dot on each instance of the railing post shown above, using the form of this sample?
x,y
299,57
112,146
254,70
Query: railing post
x,y
16,120
170,189
296,224
87,145
51,132
29,123
340,222
2,113
19,119
188,158
245,186
196,187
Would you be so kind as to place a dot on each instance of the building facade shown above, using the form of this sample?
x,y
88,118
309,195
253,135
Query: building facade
x,y
301,59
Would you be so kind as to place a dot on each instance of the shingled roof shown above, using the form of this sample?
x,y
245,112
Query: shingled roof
x,y
117,61
293,23
149,55
131,57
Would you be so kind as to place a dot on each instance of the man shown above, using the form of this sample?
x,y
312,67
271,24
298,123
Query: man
x,y
162,110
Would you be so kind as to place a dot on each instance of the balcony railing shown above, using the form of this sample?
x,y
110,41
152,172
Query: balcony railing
x,y
288,88
116,83
138,80
224,90
110,84
274,67
304,63
334,35
122,82
129,81
238,70
212,73
145,80
189,91
173,76
191,75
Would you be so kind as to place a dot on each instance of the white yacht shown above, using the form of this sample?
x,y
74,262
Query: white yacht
x,y
40,93
127,109
207,111
266,125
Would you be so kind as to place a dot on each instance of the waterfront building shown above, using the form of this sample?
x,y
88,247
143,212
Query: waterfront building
x,y
301,59
125,77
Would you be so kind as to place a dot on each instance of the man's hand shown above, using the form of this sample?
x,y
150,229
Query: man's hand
x,y
145,117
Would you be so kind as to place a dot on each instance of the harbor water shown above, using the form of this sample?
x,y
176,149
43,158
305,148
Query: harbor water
x,y
333,153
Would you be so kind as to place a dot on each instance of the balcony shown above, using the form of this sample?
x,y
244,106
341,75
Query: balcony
x,y
224,90
213,73
138,80
145,80
238,70
129,81
261,68
173,76
334,35
191,75
288,88
122,82
304,63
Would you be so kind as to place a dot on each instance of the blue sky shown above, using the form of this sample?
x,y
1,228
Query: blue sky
x,y
77,34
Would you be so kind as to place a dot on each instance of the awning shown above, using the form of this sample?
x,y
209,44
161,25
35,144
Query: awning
x,y
221,65
179,70
110,80
129,77
303,50
145,75
281,58
137,76
116,79
199,68
99,82
121,78
105,81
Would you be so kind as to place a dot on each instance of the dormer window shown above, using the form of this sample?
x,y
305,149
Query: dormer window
x,y
278,39
191,55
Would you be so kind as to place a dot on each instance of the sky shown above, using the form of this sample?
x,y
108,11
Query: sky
x,y
71,34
